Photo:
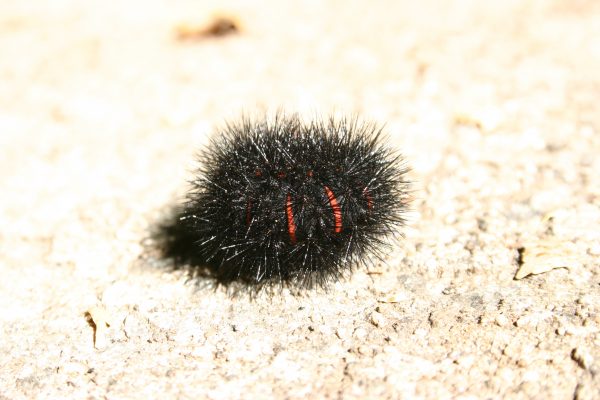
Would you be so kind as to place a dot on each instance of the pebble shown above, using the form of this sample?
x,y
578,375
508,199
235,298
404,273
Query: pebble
x,y
585,300
378,320
595,250
188,331
74,368
501,320
136,328
582,357
584,392
342,333
466,361
524,362
532,320
360,333
203,352
421,332
524,321
324,329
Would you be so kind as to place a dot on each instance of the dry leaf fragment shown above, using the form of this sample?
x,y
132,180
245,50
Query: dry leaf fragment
x,y
483,118
543,257
375,272
99,319
467,120
393,298
217,27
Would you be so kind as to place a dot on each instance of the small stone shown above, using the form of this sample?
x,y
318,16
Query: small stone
x,y
523,321
529,388
501,320
517,351
360,333
584,392
342,333
187,332
531,375
532,320
572,330
203,352
585,300
421,332
466,361
595,249
325,330
378,320
523,362
136,328
582,357
74,368
449,290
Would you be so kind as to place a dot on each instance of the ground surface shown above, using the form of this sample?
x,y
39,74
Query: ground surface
x,y
495,105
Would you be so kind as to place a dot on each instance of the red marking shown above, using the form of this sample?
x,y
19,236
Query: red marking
x,y
369,198
309,173
290,219
337,210
281,175
258,173
248,212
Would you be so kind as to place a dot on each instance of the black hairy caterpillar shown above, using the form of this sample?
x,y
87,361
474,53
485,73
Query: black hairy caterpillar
x,y
284,200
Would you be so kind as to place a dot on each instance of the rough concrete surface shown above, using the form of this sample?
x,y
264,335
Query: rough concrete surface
x,y
496,106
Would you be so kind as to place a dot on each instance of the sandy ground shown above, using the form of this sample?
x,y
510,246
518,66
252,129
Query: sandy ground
x,y
495,105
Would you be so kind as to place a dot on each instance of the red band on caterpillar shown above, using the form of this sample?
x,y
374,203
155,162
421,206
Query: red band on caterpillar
x,y
337,211
291,224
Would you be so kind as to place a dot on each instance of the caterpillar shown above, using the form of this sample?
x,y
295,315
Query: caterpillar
x,y
284,200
